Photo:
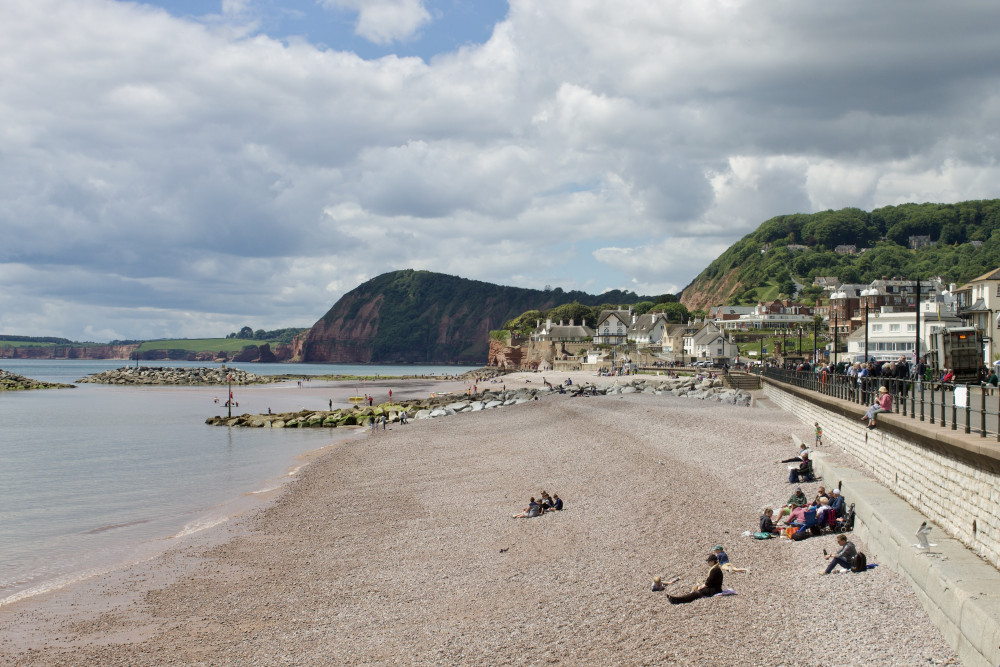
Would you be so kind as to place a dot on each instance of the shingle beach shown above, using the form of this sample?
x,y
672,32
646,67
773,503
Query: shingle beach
x,y
398,547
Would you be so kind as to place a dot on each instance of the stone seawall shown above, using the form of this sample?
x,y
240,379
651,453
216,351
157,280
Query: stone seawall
x,y
951,478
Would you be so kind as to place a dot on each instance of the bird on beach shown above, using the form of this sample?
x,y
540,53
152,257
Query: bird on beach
x,y
922,534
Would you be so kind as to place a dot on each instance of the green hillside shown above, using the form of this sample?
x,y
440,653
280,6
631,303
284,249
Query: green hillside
x,y
425,317
965,241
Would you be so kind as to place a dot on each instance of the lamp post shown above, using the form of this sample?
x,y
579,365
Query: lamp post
x,y
799,350
866,331
836,337
815,328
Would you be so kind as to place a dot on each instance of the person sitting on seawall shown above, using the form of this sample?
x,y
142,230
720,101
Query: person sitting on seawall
x,y
711,586
723,559
884,404
844,557
532,510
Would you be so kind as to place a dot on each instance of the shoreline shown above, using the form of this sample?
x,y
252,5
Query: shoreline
x,y
401,549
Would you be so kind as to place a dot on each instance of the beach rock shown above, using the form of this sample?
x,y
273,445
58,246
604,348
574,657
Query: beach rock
x,y
13,382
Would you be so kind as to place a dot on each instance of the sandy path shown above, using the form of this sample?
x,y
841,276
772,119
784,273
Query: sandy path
x,y
398,548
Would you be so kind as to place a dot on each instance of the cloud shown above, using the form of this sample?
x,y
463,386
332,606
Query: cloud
x,y
385,21
168,175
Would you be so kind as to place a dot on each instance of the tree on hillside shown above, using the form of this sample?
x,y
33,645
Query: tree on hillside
x,y
677,313
643,307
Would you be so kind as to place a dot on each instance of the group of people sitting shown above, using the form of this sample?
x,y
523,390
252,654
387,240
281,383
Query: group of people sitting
x,y
799,518
545,503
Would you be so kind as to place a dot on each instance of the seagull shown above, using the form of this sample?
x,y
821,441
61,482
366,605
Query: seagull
x,y
922,534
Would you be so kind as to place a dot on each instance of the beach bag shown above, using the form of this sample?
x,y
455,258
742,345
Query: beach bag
x,y
860,563
762,536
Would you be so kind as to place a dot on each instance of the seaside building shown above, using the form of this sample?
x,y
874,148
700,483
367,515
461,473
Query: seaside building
x,y
647,330
979,306
776,314
612,326
892,333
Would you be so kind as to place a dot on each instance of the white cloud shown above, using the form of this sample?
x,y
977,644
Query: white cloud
x,y
385,21
162,176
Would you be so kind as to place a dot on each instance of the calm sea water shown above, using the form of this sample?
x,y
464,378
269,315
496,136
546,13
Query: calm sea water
x,y
97,476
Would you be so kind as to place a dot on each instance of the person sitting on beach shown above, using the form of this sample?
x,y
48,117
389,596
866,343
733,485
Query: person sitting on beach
x,y
532,510
884,404
711,586
837,503
801,473
820,493
766,524
557,503
545,501
844,557
723,558
797,499
657,584
798,457
822,508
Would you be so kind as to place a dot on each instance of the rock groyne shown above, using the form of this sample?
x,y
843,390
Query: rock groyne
x,y
13,382
146,375
443,405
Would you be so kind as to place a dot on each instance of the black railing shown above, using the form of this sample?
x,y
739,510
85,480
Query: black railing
x,y
927,401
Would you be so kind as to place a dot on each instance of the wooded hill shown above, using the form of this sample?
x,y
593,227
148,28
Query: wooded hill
x,y
965,240
425,317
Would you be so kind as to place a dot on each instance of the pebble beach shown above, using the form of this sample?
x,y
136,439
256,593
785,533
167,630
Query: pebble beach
x,y
398,547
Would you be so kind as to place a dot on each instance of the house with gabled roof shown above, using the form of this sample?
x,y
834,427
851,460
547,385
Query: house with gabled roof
x,y
709,342
612,327
647,329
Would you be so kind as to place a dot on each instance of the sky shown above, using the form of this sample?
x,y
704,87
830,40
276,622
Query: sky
x,y
185,168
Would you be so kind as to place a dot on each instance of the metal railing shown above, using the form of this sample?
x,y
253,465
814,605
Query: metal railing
x,y
928,401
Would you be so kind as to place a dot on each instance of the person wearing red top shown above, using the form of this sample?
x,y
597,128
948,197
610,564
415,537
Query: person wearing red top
x,y
884,404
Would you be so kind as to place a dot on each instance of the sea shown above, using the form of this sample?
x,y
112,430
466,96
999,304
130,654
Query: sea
x,y
100,476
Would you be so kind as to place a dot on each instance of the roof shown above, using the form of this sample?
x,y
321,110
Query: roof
x,y
647,322
990,275
623,315
566,331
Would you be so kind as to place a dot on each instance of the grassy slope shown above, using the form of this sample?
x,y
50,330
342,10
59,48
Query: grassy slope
x,y
203,344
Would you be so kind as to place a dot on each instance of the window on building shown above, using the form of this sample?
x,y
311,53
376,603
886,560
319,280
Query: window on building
x,y
894,327
911,327
876,327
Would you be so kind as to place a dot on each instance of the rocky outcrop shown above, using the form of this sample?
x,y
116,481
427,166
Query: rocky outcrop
x,y
145,375
68,352
13,382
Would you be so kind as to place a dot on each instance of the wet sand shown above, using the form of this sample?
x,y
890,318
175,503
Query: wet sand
x,y
399,548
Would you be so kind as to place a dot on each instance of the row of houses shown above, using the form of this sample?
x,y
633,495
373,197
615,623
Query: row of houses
x,y
651,332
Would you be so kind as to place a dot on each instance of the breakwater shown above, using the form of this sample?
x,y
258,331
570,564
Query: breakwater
x,y
154,375
13,382
442,405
